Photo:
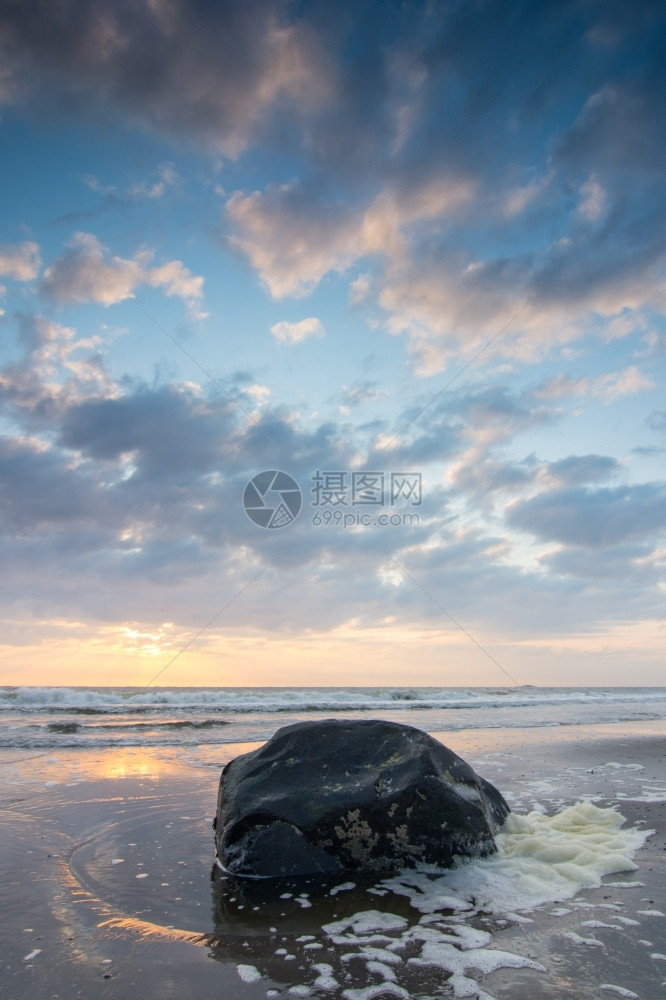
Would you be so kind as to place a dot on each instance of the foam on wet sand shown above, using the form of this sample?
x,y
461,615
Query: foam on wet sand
x,y
539,859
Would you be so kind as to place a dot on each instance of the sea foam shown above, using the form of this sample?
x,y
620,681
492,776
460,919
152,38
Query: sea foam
x,y
540,859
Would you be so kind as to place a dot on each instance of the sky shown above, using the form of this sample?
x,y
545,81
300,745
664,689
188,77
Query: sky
x,y
409,255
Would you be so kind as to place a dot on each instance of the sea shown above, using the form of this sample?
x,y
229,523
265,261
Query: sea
x,y
51,718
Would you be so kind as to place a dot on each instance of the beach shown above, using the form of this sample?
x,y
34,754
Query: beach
x,y
109,886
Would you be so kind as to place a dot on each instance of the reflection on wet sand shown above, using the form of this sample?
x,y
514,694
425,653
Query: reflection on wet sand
x,y
353,939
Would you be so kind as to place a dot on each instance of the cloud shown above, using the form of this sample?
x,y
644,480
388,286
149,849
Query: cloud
x,y
480,474
21,262
487,419
634,566
169,433
166,172
594,518
39,493
462,428
215,72
626,383
466,178
518,199
259,393
84,274
360,392
617,119
494,413
290,238
577,469
359,290
293,238
135,500
168,177
296,333
175,279
607,387
444,304
56,369
159,471
592,201
466,191
657,420
462,227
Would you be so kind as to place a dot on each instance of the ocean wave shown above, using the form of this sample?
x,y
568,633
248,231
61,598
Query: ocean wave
x,y
154,726
256,728
48,718
211,701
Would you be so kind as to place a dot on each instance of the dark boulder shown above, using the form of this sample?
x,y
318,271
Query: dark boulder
x,y
334,796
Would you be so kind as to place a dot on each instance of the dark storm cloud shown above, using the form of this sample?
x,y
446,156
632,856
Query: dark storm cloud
x,y
595,518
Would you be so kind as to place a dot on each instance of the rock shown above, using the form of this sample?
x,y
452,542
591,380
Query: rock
x,y
334,796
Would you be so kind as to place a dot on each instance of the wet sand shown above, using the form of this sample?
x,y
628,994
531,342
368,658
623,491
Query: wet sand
x,y
107,887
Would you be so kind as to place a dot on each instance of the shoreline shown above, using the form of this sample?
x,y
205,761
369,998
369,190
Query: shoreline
x,y
152,921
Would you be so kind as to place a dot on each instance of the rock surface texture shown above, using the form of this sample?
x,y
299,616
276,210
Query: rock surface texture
x,y
334,796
